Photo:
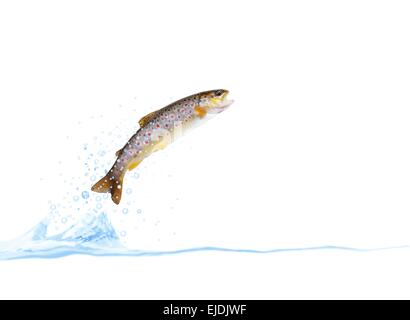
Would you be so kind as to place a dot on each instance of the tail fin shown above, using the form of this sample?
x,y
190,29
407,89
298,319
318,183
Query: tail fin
x,y
108,184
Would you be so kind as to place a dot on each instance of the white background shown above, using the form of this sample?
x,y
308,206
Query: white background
x,y
313,152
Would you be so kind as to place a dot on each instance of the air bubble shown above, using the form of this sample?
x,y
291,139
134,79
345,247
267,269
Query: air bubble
x,y
85,195
123,233
125,211
129,191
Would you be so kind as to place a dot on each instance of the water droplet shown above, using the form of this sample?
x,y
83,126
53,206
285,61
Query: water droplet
x,y
125,211
85,194
129,191
76,198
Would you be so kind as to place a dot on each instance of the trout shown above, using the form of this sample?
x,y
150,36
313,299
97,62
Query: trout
x,y
157,130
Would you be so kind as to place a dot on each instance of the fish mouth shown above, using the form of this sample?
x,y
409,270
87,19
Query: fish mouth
x,y
219,104
223,104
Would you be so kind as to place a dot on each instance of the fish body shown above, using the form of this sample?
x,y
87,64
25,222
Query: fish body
x,y
157,130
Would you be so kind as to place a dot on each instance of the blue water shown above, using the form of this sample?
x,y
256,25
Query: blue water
x,y
94,235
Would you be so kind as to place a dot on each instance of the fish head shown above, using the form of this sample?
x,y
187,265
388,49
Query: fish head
x,y
215,101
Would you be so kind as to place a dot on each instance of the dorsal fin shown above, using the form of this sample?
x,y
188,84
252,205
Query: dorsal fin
x,y
144,120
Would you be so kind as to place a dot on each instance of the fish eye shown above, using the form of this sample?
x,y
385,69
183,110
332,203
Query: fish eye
x,y
219,92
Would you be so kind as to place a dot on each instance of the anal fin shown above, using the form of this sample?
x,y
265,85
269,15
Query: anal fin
x,y
133,165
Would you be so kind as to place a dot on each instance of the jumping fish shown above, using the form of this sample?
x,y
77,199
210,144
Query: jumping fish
x,y
157,130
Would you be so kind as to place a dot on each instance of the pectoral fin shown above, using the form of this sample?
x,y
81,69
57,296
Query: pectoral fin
x,y
200,111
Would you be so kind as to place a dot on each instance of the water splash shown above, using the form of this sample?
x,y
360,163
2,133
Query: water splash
x,y
97,237
93,234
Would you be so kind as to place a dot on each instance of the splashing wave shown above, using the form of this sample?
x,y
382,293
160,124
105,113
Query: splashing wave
x,y
94,235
